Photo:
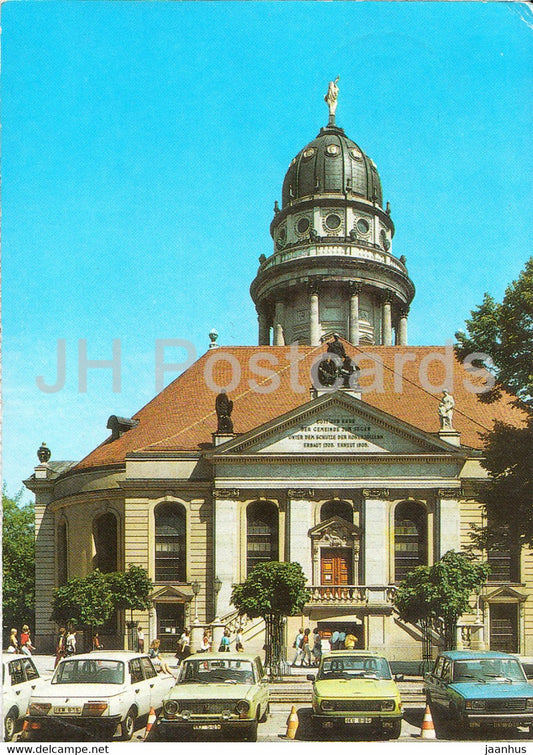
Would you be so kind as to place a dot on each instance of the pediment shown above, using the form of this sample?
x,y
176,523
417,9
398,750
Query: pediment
x,y
504,594
336,423
334,527
171,593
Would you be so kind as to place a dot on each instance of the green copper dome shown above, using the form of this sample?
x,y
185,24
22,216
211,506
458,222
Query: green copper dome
x,y
332,164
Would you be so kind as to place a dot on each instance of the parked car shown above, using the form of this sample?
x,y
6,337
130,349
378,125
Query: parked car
x,y
356,688
94,693
477,688
226,692
19,679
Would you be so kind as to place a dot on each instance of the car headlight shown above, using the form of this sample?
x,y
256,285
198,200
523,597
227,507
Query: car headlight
x,y
243,706
171,707
387,705
475,705
94,708
529,703
39,709
327,705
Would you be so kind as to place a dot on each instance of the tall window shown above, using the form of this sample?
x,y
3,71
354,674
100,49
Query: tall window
x,y
410,538
262,534
170,543
62,551
105,543
341,509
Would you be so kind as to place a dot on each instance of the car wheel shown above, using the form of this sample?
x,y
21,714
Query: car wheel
x,y
127,727
251,732
265,714
396,730
10,724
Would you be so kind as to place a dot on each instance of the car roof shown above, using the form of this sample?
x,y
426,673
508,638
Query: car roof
x,y
6,657
353,653
472,655
105,655
236,656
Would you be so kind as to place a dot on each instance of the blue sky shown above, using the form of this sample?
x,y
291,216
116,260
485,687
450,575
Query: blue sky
x,y
144,145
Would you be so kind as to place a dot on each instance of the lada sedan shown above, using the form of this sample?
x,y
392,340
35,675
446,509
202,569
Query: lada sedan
x,y
356,689
480,688
93,694
19,679
225,692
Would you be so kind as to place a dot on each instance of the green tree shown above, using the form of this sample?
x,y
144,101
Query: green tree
x,y
505,332
272,590
18,561
131,589
86,602
436,596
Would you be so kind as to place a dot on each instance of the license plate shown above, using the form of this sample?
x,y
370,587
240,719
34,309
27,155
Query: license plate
x,y
503,724
206,727
358,720
68,710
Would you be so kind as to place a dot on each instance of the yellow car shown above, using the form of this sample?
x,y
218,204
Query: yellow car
x,y
356,688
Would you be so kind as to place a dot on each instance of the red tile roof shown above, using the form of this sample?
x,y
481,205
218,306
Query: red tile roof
x,y
264,382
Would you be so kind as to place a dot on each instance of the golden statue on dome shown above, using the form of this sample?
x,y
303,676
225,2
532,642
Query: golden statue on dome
x,y
331,100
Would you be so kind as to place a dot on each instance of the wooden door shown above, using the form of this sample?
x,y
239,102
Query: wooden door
x,y
336,566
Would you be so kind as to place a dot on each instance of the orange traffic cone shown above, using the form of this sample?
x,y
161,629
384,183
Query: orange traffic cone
x,y
428,729
150,722
292,724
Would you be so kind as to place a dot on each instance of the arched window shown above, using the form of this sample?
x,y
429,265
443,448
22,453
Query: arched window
x,y
62,551
341,509
105,543
170,543
262,533
410,538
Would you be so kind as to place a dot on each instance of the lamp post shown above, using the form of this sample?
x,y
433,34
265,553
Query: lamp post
x,y
217,584
196,589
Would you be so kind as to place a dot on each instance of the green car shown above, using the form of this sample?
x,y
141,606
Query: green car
x,y
225,692
356,688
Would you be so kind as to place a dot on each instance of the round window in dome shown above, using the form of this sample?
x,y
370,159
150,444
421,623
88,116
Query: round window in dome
x,y
356,154
309,152
302,226
363,225
332,150
333,222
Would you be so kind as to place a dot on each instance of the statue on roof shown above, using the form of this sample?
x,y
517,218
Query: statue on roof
x,y
223,408
44,454
337,347
446,405
331,99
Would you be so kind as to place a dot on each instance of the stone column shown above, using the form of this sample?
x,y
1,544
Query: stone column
x,y
448,523
402,327
355,290
227,555
300,522
264,329
376,538
387,322
314,318
279,339
45,565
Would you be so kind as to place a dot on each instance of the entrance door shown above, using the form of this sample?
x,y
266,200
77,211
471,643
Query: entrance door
x,y
170,625
336,566
504,627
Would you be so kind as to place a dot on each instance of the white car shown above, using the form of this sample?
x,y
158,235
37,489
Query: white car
x,y
94,693
19,679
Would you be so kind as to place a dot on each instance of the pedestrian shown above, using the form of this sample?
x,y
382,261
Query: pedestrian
x,y
297,645
159,664
334,640
13,646
97,645
183,643
306,649
317,646
140,639
205,645
225,642
70,643
239,645
350,641
26,646
61,645
342,637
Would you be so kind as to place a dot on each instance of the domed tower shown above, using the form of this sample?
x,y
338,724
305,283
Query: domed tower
x,y
332,269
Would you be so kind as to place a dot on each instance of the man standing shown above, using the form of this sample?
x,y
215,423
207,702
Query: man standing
x,y
298,646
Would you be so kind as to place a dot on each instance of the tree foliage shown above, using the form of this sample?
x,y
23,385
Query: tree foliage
x,y
438,595
131,589
272,590
18,561
505,333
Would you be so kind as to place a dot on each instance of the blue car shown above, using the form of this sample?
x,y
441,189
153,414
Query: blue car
x,y
480,688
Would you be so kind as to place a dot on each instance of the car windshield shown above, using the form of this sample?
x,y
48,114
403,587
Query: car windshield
x,y
227,671
488,670
350,667
83,671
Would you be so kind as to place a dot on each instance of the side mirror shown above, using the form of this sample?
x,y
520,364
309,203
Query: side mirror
x,y
398,677
311,677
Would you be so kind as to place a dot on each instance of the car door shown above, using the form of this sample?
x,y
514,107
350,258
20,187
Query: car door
x,y
140,687
262,679
157,685
31,675
434,682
